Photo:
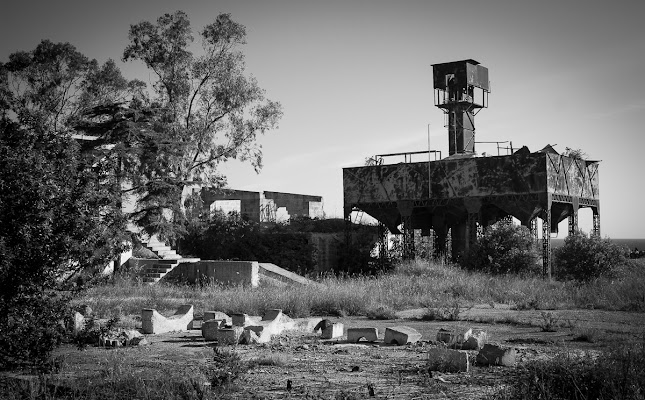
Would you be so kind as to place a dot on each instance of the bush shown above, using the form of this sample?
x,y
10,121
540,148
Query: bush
x,y
30,328
615,374
584,258
502,249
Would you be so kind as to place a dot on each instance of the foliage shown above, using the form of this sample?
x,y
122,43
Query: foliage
x,y
502,249
30,329
584,258
227,367
576,154
381,312
92,331
205,112
55,222
230,237
615,374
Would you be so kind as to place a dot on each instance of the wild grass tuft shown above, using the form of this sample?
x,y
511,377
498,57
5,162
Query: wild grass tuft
x,y
614,374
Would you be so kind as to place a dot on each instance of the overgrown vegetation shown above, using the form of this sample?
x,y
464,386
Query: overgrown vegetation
x,y
502,249
614,374
585,258
55,223
412,284
287,244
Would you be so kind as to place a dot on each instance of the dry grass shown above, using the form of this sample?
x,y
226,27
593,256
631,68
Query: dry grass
x,y
410,285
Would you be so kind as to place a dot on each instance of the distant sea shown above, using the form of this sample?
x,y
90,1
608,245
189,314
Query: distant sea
x,y
630,243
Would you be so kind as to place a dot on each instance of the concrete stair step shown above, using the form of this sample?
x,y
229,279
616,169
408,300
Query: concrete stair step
x,y
162,253
159,248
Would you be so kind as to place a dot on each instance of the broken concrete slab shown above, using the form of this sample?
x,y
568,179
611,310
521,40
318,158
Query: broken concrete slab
x,y
208,315
492,354
210,328
463,339
447,360
401,335
229,336
356,334
249,337
153,322
332,331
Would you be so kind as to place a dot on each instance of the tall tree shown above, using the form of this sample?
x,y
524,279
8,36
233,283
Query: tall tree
x,y
206,112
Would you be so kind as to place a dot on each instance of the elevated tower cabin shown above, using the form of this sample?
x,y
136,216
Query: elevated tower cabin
x,y
458,196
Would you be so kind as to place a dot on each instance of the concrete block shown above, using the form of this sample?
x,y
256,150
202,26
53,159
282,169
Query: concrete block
x,y
273,314
153,322
356,334
464,339
446,360
240,319
208,315
492,354
332,331
210,328
249,337
229,336
476,340
401,335
78,323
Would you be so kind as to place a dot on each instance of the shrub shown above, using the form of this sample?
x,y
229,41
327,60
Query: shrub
x,y
502,249
30,328
584,258
615,374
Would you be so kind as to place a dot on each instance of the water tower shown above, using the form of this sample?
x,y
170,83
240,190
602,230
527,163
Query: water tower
x,y
461,91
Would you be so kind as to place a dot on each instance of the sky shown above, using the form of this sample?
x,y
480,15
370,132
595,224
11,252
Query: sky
x,y
355,79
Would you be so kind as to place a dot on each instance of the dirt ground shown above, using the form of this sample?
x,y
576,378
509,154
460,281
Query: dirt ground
x,y
337,369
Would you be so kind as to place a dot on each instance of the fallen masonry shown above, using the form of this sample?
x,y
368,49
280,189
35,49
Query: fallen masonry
x,y
153,322
470,339
356,334
332,331
401,335
492,354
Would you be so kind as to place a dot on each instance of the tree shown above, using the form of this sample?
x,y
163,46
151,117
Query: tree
x,y
585,258
54,222
206,112
502,249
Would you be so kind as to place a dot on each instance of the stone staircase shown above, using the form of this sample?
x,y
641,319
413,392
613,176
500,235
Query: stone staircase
x,y
168,260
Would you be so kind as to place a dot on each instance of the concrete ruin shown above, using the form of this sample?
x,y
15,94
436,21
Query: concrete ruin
x,y
453,199
261,207
153,322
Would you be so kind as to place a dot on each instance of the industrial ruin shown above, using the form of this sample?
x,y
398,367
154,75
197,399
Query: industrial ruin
x,y
453,199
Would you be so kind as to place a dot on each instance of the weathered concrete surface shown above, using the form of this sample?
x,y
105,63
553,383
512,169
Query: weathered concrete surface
x,y
464,339
210,328
229,336
153,322
273,271
492,354
226,272
446,360
356,334
208,315
401,335
332,331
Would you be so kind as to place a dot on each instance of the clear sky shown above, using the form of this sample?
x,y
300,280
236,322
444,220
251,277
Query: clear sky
x,y
355,80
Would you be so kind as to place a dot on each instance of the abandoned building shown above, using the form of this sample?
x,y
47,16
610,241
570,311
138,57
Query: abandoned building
x,y
262,207
454,198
